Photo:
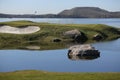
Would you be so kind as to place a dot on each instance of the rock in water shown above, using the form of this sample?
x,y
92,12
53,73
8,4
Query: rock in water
x,y
83,50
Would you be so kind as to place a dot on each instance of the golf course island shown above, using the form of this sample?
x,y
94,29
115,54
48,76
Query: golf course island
x,y
49,35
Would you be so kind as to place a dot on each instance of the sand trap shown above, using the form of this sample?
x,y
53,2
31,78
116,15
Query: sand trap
x,y
14,30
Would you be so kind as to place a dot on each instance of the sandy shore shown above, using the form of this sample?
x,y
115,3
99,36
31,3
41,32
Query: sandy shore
x,y
14,30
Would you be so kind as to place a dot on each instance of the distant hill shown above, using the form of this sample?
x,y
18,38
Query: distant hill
x,y
88,12
77,12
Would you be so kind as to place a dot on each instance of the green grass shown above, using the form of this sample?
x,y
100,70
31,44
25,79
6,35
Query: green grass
x,y
42,75
50,31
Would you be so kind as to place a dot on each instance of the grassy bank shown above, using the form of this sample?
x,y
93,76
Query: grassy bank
x,y
49,32
41,75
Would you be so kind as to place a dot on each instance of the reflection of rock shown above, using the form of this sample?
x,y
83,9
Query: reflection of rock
x,y
97,37
78,36
83,50
33,47
74,57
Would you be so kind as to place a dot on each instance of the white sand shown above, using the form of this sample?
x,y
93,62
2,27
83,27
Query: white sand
x,y
14,30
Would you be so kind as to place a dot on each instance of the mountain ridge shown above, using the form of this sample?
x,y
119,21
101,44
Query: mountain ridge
x,y
76,12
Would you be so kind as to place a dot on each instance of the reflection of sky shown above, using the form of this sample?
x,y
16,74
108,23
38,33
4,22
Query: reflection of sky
x,y
109,45
57,60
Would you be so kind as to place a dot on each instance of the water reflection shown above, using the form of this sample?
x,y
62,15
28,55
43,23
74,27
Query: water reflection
x,y
34,46
82,57
108,61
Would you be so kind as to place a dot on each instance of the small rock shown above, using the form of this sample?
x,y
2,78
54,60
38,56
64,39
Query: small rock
x,y
56,40
97,37
81,38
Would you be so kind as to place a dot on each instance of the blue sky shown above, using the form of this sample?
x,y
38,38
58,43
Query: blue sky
x,y
53,6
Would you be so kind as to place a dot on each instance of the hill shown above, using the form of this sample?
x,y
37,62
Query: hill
x,y
88,12
77,12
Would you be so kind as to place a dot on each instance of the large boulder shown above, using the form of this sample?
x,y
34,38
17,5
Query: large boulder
x,y
72,33
76,35
83,50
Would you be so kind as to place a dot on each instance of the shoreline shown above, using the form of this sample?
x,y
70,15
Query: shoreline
x,y
44,75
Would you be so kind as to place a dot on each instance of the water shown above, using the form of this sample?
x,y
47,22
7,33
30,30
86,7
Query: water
x,y
57,60
111,21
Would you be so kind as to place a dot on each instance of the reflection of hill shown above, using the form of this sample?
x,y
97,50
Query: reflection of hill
x,y
82,57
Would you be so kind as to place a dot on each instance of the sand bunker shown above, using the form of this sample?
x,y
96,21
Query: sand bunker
x,y
14,30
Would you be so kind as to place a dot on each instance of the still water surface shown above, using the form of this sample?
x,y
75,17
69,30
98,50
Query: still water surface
x,y
58,61
109,21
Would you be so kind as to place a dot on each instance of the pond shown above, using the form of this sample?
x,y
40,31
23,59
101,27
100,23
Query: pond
x,y
59,61
109,21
